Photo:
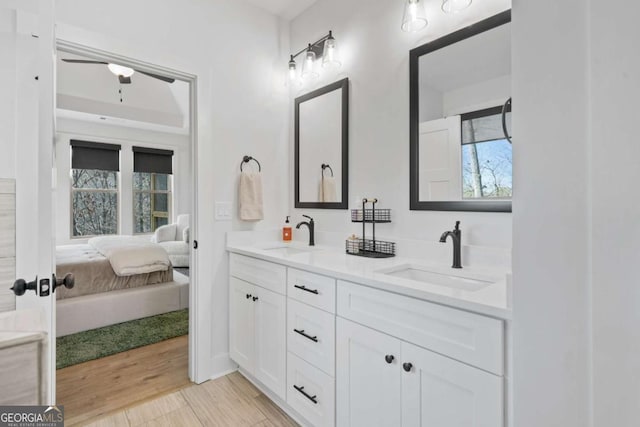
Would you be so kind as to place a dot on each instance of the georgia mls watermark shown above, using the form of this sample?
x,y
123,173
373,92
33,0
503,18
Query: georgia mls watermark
x,y
32,416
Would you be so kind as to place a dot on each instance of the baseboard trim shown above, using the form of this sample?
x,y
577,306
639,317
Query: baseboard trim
x,y
221,365
276,399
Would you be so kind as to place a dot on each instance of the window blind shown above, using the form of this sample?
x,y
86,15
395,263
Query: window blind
x,y
95,155
152,160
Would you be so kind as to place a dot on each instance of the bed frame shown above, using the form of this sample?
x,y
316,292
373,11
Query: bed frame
x,y
109,308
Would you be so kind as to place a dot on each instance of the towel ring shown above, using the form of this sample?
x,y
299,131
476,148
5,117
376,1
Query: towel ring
x,y
247,159
325,166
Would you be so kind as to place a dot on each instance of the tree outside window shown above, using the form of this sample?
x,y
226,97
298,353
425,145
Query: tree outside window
x,y
94,199
151,201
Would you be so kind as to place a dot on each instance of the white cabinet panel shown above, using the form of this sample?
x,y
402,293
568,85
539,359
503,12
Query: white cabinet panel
x,y
368,388
311,335
262,273
313,289
310,392
468,337
270,334
439,391
241,323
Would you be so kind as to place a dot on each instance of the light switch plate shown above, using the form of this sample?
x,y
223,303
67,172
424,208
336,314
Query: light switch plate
x,y
223,211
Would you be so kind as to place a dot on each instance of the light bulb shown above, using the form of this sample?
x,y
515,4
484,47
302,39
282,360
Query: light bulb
x,y
455,6
309,66
331,58
120,70
415,16
293,73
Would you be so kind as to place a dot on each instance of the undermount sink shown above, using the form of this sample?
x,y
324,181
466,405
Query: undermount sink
x,y
288,250
460,280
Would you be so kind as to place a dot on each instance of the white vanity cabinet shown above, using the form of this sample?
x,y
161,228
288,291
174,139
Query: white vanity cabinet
x,y
404,373
346,354
257,323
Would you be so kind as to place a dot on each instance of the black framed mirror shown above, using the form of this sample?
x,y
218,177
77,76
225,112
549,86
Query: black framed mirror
x,y
460,119
322,147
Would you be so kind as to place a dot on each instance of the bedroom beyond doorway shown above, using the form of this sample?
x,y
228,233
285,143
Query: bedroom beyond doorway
x,y
125,195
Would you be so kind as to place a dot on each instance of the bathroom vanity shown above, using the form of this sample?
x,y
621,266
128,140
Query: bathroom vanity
x,y
340,340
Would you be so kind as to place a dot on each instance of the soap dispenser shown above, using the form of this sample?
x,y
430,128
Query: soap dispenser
x,y
286,231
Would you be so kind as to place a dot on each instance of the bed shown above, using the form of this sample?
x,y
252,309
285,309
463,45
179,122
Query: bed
x,y
117,279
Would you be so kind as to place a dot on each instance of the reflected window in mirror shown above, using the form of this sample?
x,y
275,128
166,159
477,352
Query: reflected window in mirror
x,y
321,147
460,119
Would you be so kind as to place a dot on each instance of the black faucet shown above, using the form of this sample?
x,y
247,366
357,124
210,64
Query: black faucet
x,y
311,226
456,236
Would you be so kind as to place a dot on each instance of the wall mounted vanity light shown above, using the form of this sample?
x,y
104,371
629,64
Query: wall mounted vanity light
x,y
455,6
415,15
325,48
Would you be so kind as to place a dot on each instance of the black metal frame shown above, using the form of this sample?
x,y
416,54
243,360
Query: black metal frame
x,y
344,86
490,23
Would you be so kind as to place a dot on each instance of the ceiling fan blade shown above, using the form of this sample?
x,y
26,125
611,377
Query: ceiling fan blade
x,y
83,61
156,76
124,80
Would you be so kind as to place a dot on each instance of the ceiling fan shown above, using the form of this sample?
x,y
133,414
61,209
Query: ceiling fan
x,y
123,73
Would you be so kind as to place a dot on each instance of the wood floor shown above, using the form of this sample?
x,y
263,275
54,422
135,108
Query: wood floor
x,y
228,401
98,387
149,387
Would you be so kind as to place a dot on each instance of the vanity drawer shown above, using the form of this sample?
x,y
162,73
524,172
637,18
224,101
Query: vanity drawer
x,y
310,392
311,335
262,273
467,337
313,289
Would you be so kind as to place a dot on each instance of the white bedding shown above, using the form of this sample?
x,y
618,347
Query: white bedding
x,y
130,255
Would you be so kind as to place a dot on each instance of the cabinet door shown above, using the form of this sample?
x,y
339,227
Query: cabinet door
x,y
368,387
438,391
271,349
241,323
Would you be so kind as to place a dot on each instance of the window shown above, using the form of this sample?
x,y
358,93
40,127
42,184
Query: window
x,y
151,201
486,156
94,188
152,173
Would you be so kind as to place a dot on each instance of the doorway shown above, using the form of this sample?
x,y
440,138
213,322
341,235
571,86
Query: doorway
x,y
129,337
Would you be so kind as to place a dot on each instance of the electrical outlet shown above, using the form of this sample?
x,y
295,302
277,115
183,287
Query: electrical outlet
x,y
223,211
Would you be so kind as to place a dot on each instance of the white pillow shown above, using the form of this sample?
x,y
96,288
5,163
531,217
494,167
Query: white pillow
x,y
185,235
165,233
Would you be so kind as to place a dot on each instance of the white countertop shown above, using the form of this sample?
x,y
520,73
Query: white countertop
x,y
493,300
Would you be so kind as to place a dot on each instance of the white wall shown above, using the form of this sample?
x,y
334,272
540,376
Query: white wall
x,y
375,56
127,138
236,51
615,90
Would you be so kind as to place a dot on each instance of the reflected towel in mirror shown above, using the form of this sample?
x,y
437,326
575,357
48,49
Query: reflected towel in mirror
x,y
328,192
250,196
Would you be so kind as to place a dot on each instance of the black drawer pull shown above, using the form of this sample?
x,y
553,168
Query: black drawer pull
x,y
304,288
301,332
311,398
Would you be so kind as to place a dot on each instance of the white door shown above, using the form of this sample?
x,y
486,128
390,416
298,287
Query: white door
x,y
26,146
368,377
440,159
438,391
241,324
271,331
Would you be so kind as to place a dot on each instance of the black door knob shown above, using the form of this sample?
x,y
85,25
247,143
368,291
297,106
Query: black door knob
x,y
407,366
21,286
389,358
68,281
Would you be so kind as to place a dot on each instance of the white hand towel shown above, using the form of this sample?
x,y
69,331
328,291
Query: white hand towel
x,y
250,196
328,190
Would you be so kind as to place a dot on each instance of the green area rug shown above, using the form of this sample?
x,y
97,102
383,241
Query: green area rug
x,y
101,342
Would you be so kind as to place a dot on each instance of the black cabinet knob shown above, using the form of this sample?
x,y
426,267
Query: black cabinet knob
x,y
389,358
248,296
255,298
407,366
